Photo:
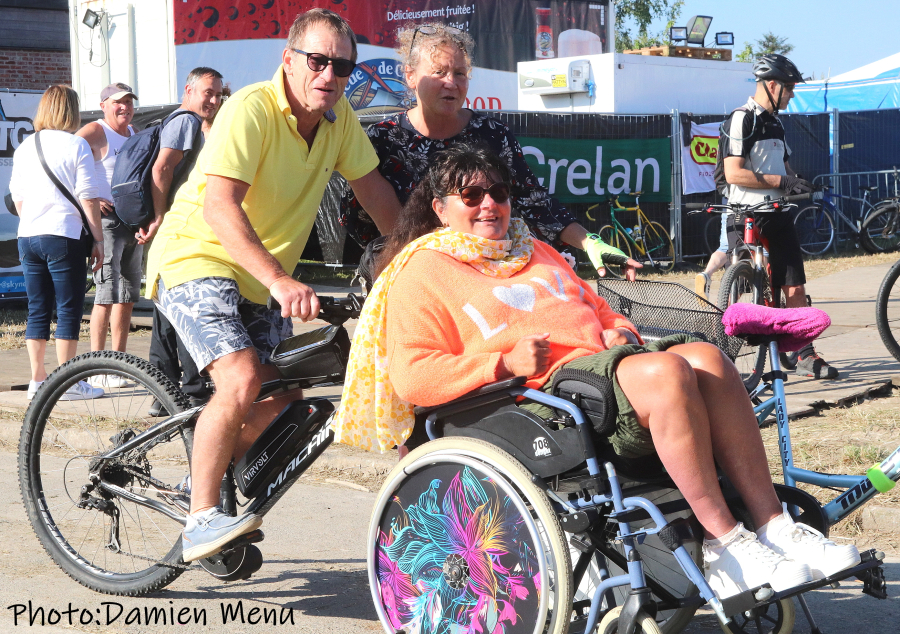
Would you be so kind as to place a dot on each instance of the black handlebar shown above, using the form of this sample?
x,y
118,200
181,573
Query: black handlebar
x,y
773,204
696,206
334,310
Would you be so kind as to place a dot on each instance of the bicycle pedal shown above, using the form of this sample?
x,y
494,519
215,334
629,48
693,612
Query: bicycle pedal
x,y
253,537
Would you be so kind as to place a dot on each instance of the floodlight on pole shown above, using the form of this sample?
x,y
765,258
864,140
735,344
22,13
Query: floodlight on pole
x,y
697,28
91,19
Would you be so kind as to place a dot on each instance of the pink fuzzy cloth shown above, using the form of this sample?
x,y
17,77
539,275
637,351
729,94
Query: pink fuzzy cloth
x,y
795,327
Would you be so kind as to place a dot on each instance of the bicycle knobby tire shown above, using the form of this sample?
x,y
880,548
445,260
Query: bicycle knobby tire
x,y
58,441
740,284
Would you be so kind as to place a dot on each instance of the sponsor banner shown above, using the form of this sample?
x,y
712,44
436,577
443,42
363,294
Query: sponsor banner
x,y
224,34
16,112
698,159
580,170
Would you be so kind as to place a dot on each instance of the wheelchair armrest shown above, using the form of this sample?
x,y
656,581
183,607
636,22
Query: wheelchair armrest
x,y
497,386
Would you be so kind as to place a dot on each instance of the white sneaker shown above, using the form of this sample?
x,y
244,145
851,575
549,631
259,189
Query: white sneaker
x,y
739,562
81,391
804,544
702,285
109,380
33,388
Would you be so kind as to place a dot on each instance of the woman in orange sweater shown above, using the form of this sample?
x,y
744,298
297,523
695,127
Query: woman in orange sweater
x,y
467,297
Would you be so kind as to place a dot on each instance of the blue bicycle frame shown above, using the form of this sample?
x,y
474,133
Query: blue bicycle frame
x,y
858,488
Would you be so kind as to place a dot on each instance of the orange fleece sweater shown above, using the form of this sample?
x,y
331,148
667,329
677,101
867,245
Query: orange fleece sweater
x,y
448,324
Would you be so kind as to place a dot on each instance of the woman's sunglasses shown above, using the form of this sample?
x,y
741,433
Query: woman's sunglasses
x,y
317,63
473,195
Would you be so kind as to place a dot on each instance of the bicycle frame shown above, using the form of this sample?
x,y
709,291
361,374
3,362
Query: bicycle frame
x,y
858,489
641,220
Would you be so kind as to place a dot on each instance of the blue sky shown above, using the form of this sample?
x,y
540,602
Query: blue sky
x,y
825,33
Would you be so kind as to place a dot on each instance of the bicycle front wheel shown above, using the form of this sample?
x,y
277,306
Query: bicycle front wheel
x,y
815,229
739,285
887,311
881,229
97,536
658,246
615,238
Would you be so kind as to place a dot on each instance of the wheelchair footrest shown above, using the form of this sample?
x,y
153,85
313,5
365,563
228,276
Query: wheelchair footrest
x,y
869,571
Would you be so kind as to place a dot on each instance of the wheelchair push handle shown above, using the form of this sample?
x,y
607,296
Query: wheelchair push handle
x,y
334,310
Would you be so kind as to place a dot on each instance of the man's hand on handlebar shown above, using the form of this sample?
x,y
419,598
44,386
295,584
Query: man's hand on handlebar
x,y
791,185
296,299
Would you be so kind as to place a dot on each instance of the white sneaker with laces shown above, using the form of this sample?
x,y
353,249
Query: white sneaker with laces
x,y
109,380
81,391
33,388
804,544
738,562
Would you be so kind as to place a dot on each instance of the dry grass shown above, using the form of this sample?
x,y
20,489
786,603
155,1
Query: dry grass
x,y
12,330
845,441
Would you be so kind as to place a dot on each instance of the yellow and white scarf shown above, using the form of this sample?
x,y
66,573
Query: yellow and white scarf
x,y
371,415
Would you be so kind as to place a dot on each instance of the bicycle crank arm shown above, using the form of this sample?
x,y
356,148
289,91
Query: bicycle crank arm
x,y
143,501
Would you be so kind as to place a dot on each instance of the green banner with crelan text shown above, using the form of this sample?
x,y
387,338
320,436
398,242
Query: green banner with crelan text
x,y
588,171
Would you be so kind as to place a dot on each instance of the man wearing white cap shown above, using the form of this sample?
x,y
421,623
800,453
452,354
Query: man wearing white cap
x,y
119,280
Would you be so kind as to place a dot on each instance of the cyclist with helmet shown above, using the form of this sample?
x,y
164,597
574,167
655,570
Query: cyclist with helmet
x,y
755,155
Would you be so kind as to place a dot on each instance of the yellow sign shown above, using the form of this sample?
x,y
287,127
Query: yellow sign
x,y
705,149
558,81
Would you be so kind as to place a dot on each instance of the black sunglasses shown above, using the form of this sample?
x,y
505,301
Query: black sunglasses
x,y
472,195
317,63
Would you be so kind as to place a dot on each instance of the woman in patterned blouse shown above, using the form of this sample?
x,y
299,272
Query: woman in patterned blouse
x,y
437,59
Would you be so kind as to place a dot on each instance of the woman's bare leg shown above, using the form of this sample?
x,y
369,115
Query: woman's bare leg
x,y
698,408
736,442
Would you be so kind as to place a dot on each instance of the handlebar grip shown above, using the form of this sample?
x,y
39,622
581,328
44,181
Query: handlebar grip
x,y
324,300
272,304
797,198
693,206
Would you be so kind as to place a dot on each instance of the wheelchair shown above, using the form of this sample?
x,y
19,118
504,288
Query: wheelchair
x,y
499,520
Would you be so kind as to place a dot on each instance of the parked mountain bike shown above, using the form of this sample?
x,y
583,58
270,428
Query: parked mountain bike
x,y
882,225
815,224
747,279
887,310
105,484
647,242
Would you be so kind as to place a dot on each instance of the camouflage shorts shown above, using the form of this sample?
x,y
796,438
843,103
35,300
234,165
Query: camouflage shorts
x,y
213,319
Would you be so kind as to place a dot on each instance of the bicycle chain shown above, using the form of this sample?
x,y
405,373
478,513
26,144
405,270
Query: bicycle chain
x,y
162,485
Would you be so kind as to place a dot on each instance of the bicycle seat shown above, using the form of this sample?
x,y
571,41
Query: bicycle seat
x,y
793,328
867,188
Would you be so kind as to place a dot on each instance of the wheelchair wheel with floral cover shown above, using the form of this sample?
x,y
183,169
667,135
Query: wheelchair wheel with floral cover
x,y
461,540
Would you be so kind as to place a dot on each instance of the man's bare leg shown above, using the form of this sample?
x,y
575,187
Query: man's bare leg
x,y
99,325
120,325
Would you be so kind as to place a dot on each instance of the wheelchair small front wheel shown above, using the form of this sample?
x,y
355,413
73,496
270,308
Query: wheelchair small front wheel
x,y
609,624
774,618
460,539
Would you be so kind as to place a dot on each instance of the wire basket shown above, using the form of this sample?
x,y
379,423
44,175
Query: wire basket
x,y
659,309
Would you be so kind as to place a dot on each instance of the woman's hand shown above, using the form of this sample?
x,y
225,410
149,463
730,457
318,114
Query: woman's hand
x,y
529,357
617,337
96,258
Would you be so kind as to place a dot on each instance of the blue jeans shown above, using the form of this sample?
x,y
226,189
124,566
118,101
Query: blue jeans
x,y
55,271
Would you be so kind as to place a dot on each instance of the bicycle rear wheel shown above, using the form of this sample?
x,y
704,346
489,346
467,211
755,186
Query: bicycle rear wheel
x,y
100,538
887,311
739,285
658,245
815,229
881,229
615,238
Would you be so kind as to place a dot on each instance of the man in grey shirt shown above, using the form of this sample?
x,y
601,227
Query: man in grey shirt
x,y
180,142
177,154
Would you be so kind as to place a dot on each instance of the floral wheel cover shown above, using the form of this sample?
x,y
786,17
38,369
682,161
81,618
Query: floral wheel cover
x,y
455,556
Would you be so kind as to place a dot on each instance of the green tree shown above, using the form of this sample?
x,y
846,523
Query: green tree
x,y
633,19
768,43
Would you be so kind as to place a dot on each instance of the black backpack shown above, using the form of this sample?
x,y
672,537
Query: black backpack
x,y
719,172
132,179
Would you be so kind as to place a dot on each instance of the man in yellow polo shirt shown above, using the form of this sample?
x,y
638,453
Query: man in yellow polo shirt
x,y
235,230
